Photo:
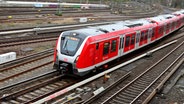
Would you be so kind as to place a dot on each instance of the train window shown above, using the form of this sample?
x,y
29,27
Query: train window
x,y
127,41
178,22
146,35
133,39
113,45
97,46
137,37
161,30
69,45
153,32
142,36
121,43
106,48
175,23
167,26
172,25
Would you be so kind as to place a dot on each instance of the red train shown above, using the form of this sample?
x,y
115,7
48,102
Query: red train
x,y
80,51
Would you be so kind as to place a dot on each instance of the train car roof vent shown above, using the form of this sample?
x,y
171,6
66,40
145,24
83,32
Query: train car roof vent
x,y
168,17
150,21
103,30
176,14
134,25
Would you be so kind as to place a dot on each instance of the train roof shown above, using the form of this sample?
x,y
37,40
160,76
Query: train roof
x,y
116,26
182,11
158,18
178,12
168,16
133,23
91,31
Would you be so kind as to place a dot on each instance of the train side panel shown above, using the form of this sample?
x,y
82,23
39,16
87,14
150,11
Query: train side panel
x,y
98,52
86,57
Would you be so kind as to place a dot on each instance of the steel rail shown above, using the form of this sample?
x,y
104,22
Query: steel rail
x,y
39,29
47,12
26,58
30,79
25,62
158,77
44,29
91,99
30,88
26,42
23,72
126,86
157,89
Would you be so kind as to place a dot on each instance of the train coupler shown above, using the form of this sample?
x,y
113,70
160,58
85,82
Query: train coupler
x,y
63,68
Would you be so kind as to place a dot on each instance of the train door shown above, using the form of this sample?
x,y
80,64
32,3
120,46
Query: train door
x,y
132,42
175,24
160,31
141,42
121,45
143,37
138,34
149,35
172,26
153,35
105,51
97,53
129,42
179,23
165,29
113,47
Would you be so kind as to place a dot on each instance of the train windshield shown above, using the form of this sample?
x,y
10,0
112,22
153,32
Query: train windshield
x,y
69,45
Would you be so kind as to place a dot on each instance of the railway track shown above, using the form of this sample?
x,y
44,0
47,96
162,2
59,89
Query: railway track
x,y
77,17
33,18
26,41
31,89
137,90
37,90
27,38
26,58
27,11
25,66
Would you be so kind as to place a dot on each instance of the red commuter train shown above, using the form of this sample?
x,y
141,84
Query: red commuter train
x,y
80,51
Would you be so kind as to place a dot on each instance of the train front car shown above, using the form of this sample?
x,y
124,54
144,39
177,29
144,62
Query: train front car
x,y
67,51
